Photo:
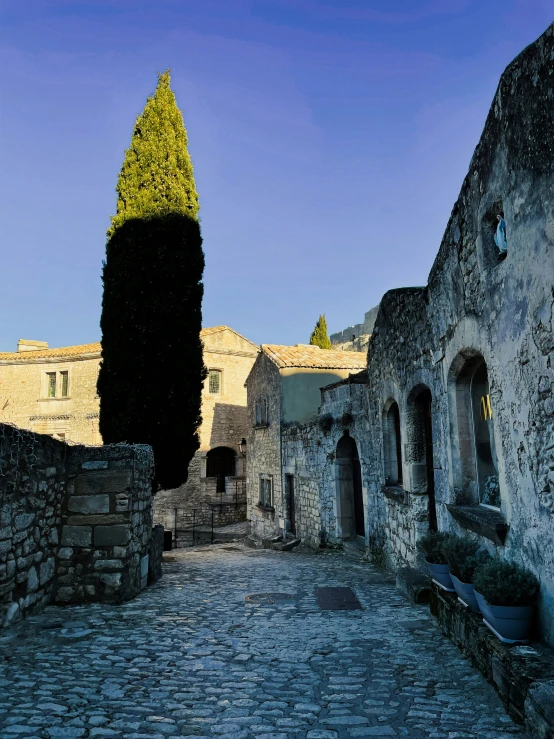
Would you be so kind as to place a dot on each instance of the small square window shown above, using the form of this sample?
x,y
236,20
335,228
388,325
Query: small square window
x,y
214,380
266,491
65,381
51,387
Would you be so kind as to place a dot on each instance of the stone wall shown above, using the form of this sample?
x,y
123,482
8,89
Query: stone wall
x,y
75,522
32,491
310,454
264,452
106,524
478,308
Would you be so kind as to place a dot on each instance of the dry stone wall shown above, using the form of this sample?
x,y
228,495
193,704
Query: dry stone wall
x,y
75,522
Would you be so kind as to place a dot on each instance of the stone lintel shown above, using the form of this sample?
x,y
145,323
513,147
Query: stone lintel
x,y
483,521
89,503
103,481
95,465
108,519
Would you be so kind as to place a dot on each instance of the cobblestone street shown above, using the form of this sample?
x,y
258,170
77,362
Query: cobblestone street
x,y
191,657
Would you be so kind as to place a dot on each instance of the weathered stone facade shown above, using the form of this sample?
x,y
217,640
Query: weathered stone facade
x,y
68,409
73,411
454,428
287,380
75,522
356,338
224,425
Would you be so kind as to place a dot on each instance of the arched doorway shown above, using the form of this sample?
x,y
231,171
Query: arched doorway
x,y
220,463
350,502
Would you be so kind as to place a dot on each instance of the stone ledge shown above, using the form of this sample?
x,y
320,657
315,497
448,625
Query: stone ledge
x,y
414,584
395,493
523,676
481,520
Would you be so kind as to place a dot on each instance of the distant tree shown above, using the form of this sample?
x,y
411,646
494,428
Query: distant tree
x,y
152,370
319,335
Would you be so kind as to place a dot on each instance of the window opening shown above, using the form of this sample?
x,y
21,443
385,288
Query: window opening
x,y
51,384
65,383
392,446
500,236
215,381
262,412
483,434
266,490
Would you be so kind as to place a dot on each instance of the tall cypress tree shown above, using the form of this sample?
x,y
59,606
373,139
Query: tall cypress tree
x,y
152,370
319,335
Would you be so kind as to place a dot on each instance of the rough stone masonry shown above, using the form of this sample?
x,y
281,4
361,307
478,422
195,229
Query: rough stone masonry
x,y
75,522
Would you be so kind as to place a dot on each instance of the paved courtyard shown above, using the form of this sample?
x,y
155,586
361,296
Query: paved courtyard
x,y
190,657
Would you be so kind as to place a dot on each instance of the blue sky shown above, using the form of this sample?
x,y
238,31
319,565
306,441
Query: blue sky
x,y
330,139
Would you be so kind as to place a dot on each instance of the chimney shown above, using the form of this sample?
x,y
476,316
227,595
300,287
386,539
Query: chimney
x,y
26,345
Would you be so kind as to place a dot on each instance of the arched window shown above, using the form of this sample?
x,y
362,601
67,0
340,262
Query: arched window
x,y
474,458
392,445
486,463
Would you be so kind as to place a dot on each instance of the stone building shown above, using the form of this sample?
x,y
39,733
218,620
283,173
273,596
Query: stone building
x,y
217,472
453,428
53,391
283,392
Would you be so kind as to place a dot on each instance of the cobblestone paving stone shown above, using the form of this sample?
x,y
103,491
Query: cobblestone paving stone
x,y
190,657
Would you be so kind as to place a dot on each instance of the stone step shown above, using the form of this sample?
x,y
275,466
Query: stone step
x,y
353,551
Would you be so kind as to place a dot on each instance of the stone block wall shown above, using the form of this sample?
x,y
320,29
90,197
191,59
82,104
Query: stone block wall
x,y
75,522
106,524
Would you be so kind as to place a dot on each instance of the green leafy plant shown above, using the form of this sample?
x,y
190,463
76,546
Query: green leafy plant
x,y
326,422
152,370
319,336
506,584
432,545
463,557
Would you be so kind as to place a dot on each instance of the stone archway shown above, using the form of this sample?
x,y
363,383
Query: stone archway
x,y
350,503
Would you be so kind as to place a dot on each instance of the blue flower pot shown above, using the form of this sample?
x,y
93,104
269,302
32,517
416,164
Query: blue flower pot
x,y
466,593
511,624
441,575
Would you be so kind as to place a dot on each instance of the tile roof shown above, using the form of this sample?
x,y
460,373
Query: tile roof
x,y
305,355
63,352
77,351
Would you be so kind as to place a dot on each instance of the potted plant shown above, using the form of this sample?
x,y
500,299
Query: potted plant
x,y
507,595
463,557
432,545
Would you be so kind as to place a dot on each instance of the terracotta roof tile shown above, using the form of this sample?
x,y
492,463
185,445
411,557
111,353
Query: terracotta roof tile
x,y
75,351
314,357
65,351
